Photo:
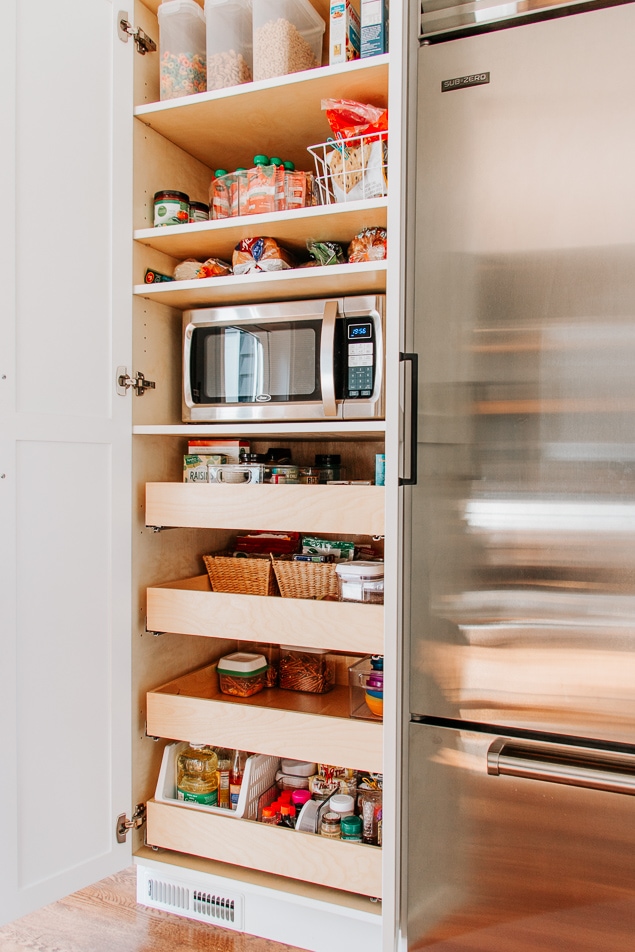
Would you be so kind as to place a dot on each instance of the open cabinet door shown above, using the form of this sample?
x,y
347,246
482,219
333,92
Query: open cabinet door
x,y
65,447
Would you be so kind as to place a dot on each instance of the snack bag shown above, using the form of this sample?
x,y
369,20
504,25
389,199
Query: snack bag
x,y
358,155
369,245
260,254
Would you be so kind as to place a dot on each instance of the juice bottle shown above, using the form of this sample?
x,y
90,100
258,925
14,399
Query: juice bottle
x,y
196,776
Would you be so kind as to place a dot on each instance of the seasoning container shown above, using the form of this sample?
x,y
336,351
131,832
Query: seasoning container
x,y
242,674
182,47
196,775
199,211
306,669
287,816
229,49
269,816
171,208
299,798
369,805
361,581
331,826
351,829
342,804
330,466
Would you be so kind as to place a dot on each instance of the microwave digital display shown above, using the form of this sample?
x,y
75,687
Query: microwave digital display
x,y
356,331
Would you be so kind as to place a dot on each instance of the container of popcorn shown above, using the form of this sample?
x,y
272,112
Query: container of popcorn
x,y
287,36
229,43
182,42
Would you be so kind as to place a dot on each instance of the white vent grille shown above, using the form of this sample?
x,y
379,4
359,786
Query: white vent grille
x,y
225,909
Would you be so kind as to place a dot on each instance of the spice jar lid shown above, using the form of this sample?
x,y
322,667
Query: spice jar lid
x,y
341,803
242,664
360,569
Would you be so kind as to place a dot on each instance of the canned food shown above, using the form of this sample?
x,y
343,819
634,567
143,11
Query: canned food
x,y
171,208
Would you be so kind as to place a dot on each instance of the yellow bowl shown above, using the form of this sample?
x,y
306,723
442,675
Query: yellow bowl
x,y
375,704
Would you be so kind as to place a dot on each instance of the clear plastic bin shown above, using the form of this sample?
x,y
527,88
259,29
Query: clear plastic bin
x,y
361,582
242,673
366,688
288,37
229,43
182,46
306,669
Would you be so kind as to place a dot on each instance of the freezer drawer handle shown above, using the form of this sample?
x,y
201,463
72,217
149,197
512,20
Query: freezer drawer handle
x,y
575,766
413,360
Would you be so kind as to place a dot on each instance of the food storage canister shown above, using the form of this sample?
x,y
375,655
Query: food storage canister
x,y
361,581
288,37
306,669
342,804
229,43
242,673
182,44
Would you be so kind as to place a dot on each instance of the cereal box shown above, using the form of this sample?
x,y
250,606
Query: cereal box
x,y
344,32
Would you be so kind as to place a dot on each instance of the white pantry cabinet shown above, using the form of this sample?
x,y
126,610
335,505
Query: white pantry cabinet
x,y
107,619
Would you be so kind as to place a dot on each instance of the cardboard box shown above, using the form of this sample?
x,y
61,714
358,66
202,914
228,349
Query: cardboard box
x,y
344,32
232,449
195,466
374,27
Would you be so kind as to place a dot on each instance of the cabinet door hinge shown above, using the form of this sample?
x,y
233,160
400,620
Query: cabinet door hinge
x,y
124,824
138,383
125,29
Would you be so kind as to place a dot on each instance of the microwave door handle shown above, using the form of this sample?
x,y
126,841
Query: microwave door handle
x,y
327,359
591,769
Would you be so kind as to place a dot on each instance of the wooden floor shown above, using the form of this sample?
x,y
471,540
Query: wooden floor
x,y
106,918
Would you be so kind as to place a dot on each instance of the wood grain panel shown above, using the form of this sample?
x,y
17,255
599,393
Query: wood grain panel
x,y
349,866
348,510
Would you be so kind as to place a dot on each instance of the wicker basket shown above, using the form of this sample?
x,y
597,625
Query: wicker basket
x,y
243,576
306,579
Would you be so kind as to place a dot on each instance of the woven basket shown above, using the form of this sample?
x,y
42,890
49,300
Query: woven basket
x,y
242,576
306,579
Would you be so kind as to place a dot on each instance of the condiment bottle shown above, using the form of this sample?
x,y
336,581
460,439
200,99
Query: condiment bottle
x,y
269,816
351,829
224,767
287,815
236,778
196,776
299,798
330,826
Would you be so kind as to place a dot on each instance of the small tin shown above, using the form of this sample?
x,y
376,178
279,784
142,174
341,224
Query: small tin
x,y
171,208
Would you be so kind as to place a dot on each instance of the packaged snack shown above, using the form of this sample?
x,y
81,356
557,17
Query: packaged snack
x,y
348,118
369,245
190,269
326,252
260,254
341,550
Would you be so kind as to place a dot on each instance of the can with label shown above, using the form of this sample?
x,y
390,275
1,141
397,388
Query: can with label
x,y
171,208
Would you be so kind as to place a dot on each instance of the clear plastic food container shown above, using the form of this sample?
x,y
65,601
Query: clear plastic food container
x,y
306,669
361,581
229,43
242,673
288,37
182,46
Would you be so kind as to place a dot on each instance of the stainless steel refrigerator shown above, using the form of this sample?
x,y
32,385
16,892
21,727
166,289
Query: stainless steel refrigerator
x,y
521,816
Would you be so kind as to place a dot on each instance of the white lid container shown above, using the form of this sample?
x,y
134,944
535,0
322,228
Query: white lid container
x,y
360,581
182,47
287,37
242,662
298,768
342,804
229,43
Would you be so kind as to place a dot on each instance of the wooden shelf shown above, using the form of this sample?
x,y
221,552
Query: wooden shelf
x,y
368,277
352,867
283,115
343,430
346,510
339,222
189,606
313,727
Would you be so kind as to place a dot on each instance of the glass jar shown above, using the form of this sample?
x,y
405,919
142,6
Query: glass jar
x,y
171,208
369,804
330,466
331,826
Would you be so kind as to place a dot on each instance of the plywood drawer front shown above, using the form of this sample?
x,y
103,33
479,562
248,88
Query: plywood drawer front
x,y
346,510
190,607
308,857
299,735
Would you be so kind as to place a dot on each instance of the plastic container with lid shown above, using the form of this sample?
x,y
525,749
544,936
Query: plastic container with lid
x,y
287,37
351,829
342,804
229,43
361,581
330,466
242,673
306,669
331,825
366,687
182,48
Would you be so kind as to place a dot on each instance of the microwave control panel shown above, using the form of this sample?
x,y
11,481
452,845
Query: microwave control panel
x,y
360,359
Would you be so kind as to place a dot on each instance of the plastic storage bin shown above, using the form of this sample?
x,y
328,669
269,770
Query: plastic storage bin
x,y
229,43
182,44
306,669
361,581
366,688
242,674
287,36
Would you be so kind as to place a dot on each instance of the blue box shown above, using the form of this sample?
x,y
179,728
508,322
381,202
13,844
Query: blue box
x,y
380,469
374,27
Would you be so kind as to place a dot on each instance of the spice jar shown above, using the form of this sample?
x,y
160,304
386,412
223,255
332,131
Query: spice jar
x,y
331,826
342,804
351,829
330,466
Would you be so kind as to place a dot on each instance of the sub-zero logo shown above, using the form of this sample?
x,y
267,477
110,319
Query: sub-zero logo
x,y
461,82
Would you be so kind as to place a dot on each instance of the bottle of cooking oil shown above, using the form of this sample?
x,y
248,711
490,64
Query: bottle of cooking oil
x,y
196,775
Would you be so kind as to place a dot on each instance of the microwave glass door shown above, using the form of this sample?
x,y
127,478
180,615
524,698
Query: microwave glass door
x,y
256,363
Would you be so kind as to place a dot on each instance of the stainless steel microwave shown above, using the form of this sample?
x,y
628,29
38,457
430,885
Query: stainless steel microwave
x,y
294,360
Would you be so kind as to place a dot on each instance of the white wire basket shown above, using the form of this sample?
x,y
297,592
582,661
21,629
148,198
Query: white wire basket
x,y
350,170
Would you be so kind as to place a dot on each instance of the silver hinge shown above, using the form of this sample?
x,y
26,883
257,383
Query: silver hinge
x,y
125,29
138,383
124,824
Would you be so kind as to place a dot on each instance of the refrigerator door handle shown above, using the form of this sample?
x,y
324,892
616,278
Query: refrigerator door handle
x,y
412,414
577,767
